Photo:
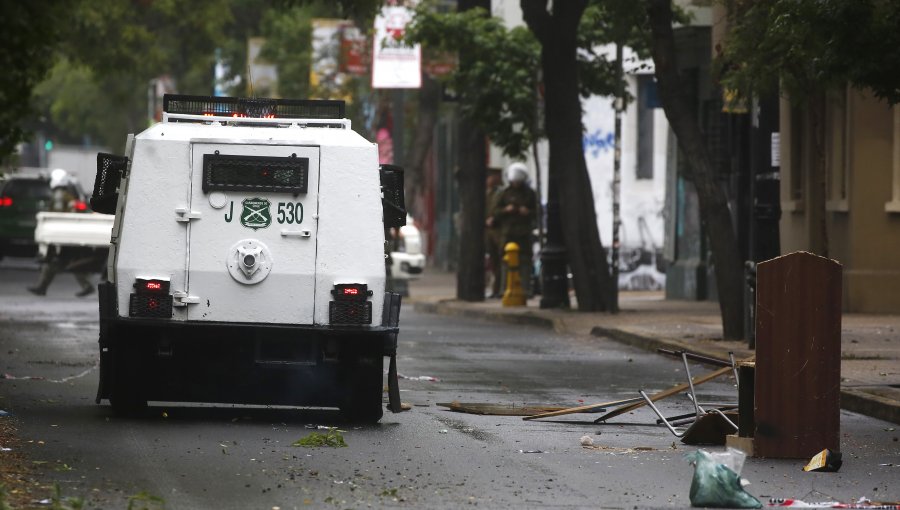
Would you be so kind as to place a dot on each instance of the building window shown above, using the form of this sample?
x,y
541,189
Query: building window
x,y
837,151
894,205
647,101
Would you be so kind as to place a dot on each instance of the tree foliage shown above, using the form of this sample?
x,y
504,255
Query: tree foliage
x,y
499,90
28,41
808,46
84,66
608,22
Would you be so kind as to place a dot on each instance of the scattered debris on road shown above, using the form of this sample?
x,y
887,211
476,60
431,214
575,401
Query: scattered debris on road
x,y
825,461
717,482
41,378
591,408
861,503
617,450
334,438
429,378
587,440
489,409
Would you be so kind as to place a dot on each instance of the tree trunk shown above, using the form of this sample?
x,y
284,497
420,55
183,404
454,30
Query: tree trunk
x,y
713,203
470,176
587,260
429,102
817,174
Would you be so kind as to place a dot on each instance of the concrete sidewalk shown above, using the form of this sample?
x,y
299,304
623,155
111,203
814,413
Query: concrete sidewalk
x,y
870,344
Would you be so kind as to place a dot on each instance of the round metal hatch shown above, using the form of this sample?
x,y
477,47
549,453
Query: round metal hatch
x,y
249,261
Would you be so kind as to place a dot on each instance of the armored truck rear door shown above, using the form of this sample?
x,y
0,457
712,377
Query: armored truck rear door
x,y
252,233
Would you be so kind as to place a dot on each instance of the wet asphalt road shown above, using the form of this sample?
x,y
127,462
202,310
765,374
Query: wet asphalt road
x,y
237,457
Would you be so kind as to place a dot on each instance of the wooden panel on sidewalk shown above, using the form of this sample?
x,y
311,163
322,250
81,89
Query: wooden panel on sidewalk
x,y
798,356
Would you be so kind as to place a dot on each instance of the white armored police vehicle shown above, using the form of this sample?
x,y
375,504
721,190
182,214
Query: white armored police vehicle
x,y
247,259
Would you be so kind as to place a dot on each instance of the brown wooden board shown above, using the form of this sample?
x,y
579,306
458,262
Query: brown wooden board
x,y
798,356
580,409
499,409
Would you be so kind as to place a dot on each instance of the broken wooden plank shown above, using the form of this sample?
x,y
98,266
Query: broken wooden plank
x,y
664,394
582,409
499,409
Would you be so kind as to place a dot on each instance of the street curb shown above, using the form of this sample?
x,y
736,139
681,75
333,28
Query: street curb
x,y
446,308
851,400
870,405
651,343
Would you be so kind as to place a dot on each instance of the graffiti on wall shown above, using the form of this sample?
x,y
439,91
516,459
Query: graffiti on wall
x,y
597,142
642,267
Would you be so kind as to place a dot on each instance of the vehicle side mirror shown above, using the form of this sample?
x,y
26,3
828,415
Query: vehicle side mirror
x,y
393,201
110,169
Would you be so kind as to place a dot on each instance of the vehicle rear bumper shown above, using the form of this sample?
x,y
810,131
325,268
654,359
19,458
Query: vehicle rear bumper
x,y
266,364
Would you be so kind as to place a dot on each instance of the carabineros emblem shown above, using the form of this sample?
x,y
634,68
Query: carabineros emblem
x,y
256,213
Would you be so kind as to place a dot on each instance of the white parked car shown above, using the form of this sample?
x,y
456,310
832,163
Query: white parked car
x,y
407,259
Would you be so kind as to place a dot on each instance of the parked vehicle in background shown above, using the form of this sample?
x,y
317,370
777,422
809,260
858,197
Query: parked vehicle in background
x,y
21,198
407,258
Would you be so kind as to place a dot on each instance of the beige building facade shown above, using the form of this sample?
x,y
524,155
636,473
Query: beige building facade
x,y
844,151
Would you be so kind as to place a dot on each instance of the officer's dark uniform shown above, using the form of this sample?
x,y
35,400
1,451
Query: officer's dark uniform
x,y
60,201
515,227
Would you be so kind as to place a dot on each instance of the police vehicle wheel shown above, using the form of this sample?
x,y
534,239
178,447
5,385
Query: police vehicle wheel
x,y
362,399
127,405
126,396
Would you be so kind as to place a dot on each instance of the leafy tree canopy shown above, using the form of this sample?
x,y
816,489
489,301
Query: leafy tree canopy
x,y
805,46
28,40
96,57
498,89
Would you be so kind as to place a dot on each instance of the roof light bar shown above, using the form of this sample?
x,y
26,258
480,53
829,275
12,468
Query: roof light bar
x,y
253,107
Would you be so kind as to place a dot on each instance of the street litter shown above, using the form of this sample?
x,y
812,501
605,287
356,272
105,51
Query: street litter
x,y
56,381
4,449
531,451
616,450
591,408
333,439
443,431
428,378
23,378
4,414
717,482
587,440
825,461
862,502
499,409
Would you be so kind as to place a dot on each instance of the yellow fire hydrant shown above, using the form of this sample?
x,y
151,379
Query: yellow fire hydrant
x,y
513,295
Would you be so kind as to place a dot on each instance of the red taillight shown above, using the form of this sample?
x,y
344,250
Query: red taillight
x,y
350,292
5,201
80,206
145,286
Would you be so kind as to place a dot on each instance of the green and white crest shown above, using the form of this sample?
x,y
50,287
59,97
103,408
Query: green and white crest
x,y
255,213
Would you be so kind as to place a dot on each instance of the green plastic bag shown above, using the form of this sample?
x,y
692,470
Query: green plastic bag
x,y
716,485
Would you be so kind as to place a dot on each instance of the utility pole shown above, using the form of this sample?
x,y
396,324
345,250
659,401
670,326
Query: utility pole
x,y
617,180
